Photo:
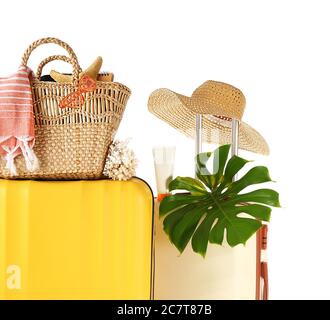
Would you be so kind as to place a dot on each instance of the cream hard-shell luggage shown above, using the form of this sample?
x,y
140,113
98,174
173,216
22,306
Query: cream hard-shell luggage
x,y
225,273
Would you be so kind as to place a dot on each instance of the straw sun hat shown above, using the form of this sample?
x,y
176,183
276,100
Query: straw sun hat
x,y
219,103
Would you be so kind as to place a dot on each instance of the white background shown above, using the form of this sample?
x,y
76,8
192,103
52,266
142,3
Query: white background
x,y
276,52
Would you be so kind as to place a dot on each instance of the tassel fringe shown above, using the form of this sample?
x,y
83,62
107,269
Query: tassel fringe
x,y
31,160
10,165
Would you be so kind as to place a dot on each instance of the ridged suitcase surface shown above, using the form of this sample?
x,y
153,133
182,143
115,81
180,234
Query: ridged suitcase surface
x,y
75,239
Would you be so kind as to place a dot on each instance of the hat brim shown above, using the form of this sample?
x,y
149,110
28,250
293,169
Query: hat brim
x,y
179,111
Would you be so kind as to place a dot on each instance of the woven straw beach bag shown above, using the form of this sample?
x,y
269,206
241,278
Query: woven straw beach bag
x,y
71,143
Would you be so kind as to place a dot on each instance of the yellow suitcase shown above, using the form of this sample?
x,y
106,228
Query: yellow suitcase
x,y
75,239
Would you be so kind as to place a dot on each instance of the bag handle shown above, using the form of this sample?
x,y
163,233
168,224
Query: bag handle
x,y
72,56
48,60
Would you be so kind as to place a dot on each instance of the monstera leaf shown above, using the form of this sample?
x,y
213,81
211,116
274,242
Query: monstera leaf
x,y
213,203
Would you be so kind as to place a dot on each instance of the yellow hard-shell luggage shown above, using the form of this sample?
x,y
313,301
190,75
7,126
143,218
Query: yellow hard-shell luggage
x,y
75,239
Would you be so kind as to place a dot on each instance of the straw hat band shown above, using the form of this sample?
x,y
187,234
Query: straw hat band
x,y
223,118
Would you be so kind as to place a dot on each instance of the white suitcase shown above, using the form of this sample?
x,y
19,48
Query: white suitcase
x,y
225,273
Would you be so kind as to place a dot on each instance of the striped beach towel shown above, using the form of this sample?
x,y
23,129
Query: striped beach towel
x,y
16,120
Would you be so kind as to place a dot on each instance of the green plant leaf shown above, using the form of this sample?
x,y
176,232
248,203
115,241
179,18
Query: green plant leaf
x,y
255,210
181,223
265,196
187,183
184,229
172,202
200,238
202,172
234,165
214,210
254,176
217,232
241,229
219,162
172,220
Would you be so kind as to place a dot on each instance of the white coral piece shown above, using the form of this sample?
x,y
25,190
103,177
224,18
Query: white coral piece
x,y
121,162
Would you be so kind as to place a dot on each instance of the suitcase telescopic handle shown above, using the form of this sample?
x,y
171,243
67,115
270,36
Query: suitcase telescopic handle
x,y
199,136
71,59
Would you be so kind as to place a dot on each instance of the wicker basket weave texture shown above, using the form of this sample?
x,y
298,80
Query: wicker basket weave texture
x,y
71,143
